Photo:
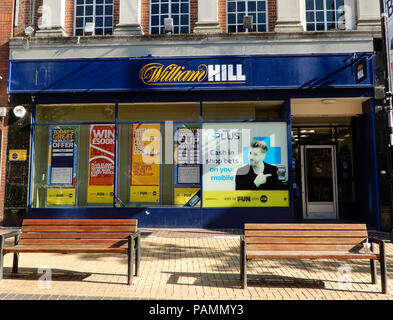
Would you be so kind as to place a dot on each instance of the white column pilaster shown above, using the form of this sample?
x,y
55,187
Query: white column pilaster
x,y
52,19
369,15
129,18
289,16
207,17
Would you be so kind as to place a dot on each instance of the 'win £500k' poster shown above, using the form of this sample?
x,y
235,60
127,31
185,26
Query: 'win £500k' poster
x,y
101,164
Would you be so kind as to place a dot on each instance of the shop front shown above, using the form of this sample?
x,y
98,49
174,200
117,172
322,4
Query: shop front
x,y
202,141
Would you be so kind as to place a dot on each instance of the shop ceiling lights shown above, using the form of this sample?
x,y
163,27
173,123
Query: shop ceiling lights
x,y
328,101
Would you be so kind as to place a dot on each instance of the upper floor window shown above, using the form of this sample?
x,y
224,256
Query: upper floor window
x,y
236,9
325,15
99,12
178,10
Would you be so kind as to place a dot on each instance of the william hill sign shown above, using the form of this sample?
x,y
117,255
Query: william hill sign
x,y
174,74
148,74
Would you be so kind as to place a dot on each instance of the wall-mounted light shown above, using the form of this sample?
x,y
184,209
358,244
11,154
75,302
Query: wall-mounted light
x,y
89,28
247,23
3,111
19,111
168,25
29,31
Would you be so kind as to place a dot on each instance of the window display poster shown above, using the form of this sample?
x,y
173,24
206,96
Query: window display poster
x,y
245,165
187,155
62,162
145,163
101,164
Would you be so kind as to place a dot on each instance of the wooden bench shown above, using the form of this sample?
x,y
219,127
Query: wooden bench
x,y
118,236
309,241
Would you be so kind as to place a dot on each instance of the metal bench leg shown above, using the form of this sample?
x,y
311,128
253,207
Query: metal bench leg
x,y
243,264
15,263
382,261
130,260
373,272
137,254
1,257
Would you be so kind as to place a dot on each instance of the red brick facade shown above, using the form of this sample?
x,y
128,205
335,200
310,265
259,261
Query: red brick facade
x,y
25,12
6,22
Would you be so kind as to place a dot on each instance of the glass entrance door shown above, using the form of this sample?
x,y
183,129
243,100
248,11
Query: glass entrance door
x,y
319,186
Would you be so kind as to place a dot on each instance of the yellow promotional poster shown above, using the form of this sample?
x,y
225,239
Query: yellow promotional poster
x,y
145,163
100,194
145,194
273,198
58,197
183,195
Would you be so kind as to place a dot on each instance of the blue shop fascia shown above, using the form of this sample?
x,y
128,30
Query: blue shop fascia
x,y
207,141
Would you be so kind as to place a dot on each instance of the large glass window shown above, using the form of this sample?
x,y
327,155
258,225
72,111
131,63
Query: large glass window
x,y
184,154
178,10
236,9
325,15
99,12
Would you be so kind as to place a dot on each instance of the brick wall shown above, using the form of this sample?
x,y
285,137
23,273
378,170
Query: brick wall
x,y
6,22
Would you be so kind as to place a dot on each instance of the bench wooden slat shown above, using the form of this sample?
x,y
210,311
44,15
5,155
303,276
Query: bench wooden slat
x,y
304,247
61,228
309,255
80,222
64,249
76,242
294,240
304,226
304,233
74,235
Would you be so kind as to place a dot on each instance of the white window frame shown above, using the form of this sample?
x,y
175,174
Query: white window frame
x,y
94,4
349,16
169,16
255,23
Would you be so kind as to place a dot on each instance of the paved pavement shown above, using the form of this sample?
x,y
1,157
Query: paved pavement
x,y
189,264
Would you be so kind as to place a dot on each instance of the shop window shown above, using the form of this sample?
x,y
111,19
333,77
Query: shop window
x,y
159,164
176,111
245,110
98,12
236,9
178,10
322,15
150,158
75,113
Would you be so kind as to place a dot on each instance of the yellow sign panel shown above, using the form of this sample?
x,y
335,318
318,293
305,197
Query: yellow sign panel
x,y
246,198
100,194
183,195
145,194
57,197
18,155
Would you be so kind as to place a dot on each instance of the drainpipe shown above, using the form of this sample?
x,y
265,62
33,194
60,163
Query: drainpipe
x,y
33,12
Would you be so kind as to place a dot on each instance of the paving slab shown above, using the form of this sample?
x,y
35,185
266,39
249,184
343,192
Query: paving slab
x,y
189,264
